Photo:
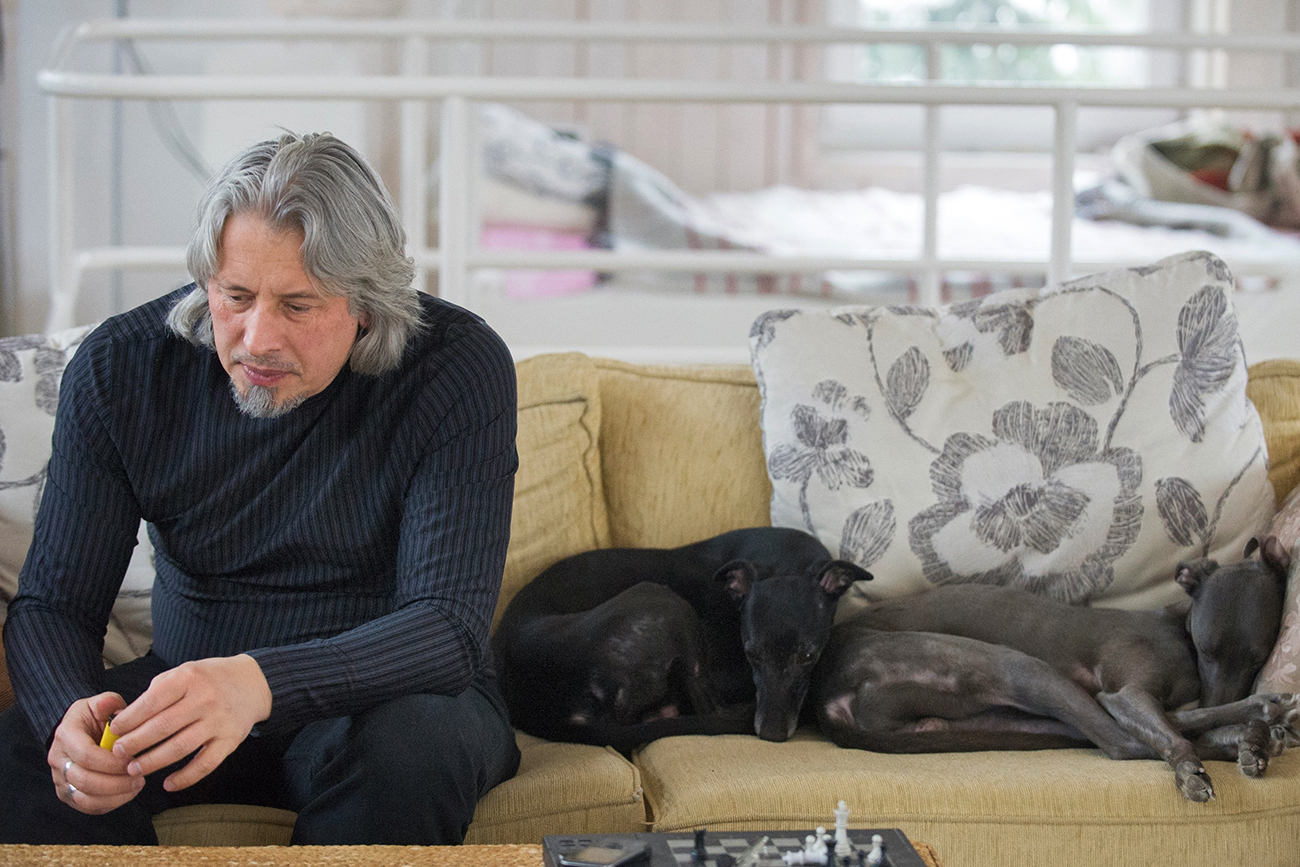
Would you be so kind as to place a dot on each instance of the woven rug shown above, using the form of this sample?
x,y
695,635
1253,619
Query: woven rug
x,y
295,856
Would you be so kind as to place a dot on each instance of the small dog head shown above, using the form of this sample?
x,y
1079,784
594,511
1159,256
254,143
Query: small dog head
x,y
785,623
1234,618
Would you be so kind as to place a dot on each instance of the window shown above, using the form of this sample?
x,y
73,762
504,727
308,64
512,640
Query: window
x,y
1004,129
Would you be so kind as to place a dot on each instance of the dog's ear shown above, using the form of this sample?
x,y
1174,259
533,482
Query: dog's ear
x,y
739,576
1191,573
1251,544
1275,556
838,576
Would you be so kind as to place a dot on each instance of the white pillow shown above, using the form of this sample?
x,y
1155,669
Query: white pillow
x,y
1076,441
30,369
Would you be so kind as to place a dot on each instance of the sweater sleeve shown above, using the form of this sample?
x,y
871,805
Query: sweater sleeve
x,y
455,526
85,530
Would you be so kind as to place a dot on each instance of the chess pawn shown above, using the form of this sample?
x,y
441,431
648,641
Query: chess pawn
x,y
876,856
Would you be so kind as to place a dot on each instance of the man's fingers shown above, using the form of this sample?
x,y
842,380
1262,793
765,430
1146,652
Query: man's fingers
x,y
168,752
164,691
92,782
204,763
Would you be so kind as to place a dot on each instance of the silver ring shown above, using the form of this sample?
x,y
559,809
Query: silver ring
x,y
72,790
67,766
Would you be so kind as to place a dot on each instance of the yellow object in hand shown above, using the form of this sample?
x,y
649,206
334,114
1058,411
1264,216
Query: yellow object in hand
x,y
108,738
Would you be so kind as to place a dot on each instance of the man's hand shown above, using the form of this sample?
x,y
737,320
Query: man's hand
x,y
86,776
209,705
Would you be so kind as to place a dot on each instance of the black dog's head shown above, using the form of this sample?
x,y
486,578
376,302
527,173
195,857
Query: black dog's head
x,y
1235,616
785,622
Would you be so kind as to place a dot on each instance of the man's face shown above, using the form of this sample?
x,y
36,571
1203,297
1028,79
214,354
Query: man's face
x,y
280,339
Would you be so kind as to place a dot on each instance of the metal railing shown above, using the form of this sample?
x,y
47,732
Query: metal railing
x,y
457,253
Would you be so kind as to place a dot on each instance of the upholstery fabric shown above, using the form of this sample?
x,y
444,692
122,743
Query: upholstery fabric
x,y
1274,388
1011,809
1281,672
1076,441
559,506
30,370
681,451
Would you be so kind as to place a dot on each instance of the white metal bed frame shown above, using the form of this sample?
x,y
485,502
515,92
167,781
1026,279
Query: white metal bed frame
x,y
458,255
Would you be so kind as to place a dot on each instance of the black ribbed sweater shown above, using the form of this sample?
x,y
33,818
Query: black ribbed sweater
x,y
354,546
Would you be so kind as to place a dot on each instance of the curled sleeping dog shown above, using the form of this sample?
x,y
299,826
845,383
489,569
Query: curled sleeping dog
x,y
621,646
976,667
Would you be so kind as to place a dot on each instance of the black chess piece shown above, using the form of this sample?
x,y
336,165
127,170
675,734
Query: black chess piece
x,y
699,854
725,860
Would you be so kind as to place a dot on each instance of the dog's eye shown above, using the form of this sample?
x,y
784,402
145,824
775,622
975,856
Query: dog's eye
x,y
807,656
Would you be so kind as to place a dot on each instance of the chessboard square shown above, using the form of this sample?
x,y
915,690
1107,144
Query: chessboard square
x,y
735,841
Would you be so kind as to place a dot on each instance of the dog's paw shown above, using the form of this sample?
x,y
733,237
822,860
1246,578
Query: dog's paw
x,y
1252,759
1194,782
1279,708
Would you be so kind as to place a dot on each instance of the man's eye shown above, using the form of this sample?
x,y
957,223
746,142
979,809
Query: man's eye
x,y
298,308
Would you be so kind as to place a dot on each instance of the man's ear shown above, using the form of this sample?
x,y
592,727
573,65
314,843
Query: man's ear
x,y
739,577
837,576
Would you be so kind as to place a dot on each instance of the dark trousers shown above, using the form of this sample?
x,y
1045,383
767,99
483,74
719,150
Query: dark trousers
x,y
408,771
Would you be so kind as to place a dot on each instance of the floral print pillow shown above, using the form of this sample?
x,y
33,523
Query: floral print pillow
x,y
31,367
1076,441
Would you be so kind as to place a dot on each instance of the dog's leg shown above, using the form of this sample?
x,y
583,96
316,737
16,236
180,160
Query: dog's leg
x,y
1273,709
924,692
1139,712
1250,745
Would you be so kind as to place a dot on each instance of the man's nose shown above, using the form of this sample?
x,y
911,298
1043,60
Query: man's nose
x,y
263,330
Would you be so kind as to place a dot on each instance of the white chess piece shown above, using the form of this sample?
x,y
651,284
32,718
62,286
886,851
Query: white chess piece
x,y
820,846
877,853
843,846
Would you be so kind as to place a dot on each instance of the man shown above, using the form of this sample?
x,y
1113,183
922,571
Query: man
x,y
326,461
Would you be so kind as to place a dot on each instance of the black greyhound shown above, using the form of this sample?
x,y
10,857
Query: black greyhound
x,y
974,667
621,646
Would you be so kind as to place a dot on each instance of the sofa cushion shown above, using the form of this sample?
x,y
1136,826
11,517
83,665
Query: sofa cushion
x,y
1077,441
560,789
1011,809
559,504
30,369
681,451
1274,388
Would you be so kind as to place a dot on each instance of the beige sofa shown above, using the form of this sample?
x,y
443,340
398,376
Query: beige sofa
x,y
630,455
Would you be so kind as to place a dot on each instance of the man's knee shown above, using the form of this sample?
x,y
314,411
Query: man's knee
x,y
417,764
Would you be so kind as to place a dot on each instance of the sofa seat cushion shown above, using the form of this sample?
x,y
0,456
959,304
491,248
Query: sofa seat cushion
x,y
560,789
1003,808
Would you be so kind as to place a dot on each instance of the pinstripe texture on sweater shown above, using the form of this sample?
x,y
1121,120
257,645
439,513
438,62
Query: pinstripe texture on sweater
x,y
353,546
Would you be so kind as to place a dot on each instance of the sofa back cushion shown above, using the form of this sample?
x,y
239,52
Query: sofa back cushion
x,y
682,452
559,506
1274,388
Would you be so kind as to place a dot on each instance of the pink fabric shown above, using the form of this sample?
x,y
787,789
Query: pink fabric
x,y
538,284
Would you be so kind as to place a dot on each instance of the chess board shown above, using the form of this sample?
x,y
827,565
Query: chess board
x,y
675,849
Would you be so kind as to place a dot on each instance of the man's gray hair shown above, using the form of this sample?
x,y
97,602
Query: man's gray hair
x,y
353,242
